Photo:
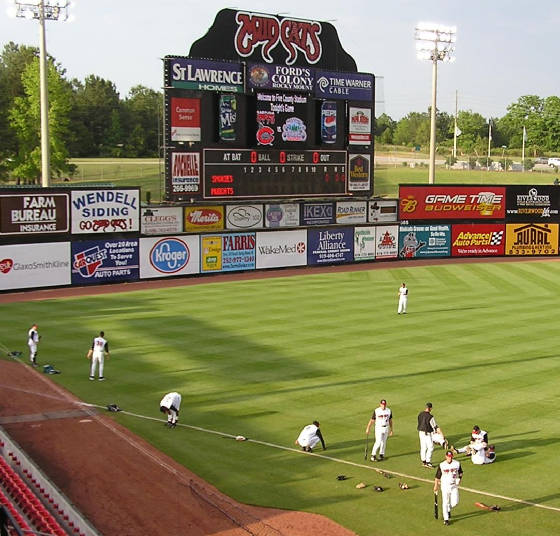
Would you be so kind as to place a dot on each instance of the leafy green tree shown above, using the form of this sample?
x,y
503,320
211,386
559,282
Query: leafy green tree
x,y
25,119
474,132
384,129
142,112
95,101
13,60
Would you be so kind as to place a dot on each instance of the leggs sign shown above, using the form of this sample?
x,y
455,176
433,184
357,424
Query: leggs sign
x,y
267,31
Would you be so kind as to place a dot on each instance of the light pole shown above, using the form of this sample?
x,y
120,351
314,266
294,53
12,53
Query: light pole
x,y
435,43
504,147
42,10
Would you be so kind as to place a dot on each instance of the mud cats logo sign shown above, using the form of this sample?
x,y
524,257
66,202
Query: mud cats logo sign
x,y
267,32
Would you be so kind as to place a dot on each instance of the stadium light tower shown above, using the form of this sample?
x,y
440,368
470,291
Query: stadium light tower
x,y
434,42
42,10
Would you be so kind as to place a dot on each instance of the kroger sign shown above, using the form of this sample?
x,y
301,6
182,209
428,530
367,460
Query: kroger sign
x,y
169,255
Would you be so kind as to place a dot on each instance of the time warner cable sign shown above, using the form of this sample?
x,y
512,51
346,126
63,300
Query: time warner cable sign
x,y
105,211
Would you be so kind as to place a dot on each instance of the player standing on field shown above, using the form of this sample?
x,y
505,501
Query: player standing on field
x,y
33,339
403,299
99,349
448,474
383,419
426,425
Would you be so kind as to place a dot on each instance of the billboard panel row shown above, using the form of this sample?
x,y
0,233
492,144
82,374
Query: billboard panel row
x,y
111,260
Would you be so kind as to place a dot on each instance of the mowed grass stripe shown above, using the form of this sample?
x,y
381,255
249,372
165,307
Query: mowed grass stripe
x,y
264,357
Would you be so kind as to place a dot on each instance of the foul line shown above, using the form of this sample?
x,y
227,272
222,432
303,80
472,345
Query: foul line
x,y
67,398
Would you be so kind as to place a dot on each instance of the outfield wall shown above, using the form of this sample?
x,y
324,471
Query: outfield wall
x,y
63,237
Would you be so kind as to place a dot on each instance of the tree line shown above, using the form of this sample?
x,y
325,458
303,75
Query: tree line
x,y
86,118
90,119
532,119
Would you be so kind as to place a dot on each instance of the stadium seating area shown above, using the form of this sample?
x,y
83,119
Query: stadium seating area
x,y
26,503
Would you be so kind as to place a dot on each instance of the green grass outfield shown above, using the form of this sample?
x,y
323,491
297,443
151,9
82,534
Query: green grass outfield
x,y
147,173
263,358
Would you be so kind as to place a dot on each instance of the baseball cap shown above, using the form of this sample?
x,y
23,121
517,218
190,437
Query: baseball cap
x,y
449,453
383,401
428,404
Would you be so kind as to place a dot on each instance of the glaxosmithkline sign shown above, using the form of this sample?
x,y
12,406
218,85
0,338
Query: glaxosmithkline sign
x,y
452,202
347,86
35,212
206,75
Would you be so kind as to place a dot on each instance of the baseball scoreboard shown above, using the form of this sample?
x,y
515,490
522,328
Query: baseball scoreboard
x,y
251,113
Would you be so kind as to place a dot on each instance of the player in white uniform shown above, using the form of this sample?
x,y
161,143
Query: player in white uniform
x,y
403,299
33,339
448,475
170,404
310,436
479,439
483,455
383,419
99,349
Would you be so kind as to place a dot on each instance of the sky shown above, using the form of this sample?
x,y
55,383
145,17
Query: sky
x,y
505,48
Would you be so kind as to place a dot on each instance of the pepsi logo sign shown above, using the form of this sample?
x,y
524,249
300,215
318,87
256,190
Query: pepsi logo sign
x,y
169,255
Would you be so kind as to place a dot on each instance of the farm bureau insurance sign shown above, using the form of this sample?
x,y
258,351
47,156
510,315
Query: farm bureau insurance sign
x,y
452,202
105,211
34,212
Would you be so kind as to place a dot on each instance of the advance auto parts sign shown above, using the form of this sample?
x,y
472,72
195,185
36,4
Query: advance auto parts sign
x,y
478,239
532,239
34,213
452,202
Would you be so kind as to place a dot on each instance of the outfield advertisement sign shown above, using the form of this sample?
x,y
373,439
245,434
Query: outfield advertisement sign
x,y
349,212
105,261
317,213
34,212
532,203
532,239
281,248
416,241
34,265
330,246
227,252
161,220
105,211
364,243
452,202
478,239
169,256
240,217
386,241
382,210
281,215
189,73
347,86
207,218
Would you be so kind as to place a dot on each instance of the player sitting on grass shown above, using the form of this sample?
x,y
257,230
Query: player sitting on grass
x,y
479,439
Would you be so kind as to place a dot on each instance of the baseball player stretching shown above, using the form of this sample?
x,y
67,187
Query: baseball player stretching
x,y
448,475
33,339
170,404
403,299
383,419
99,349
310,436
